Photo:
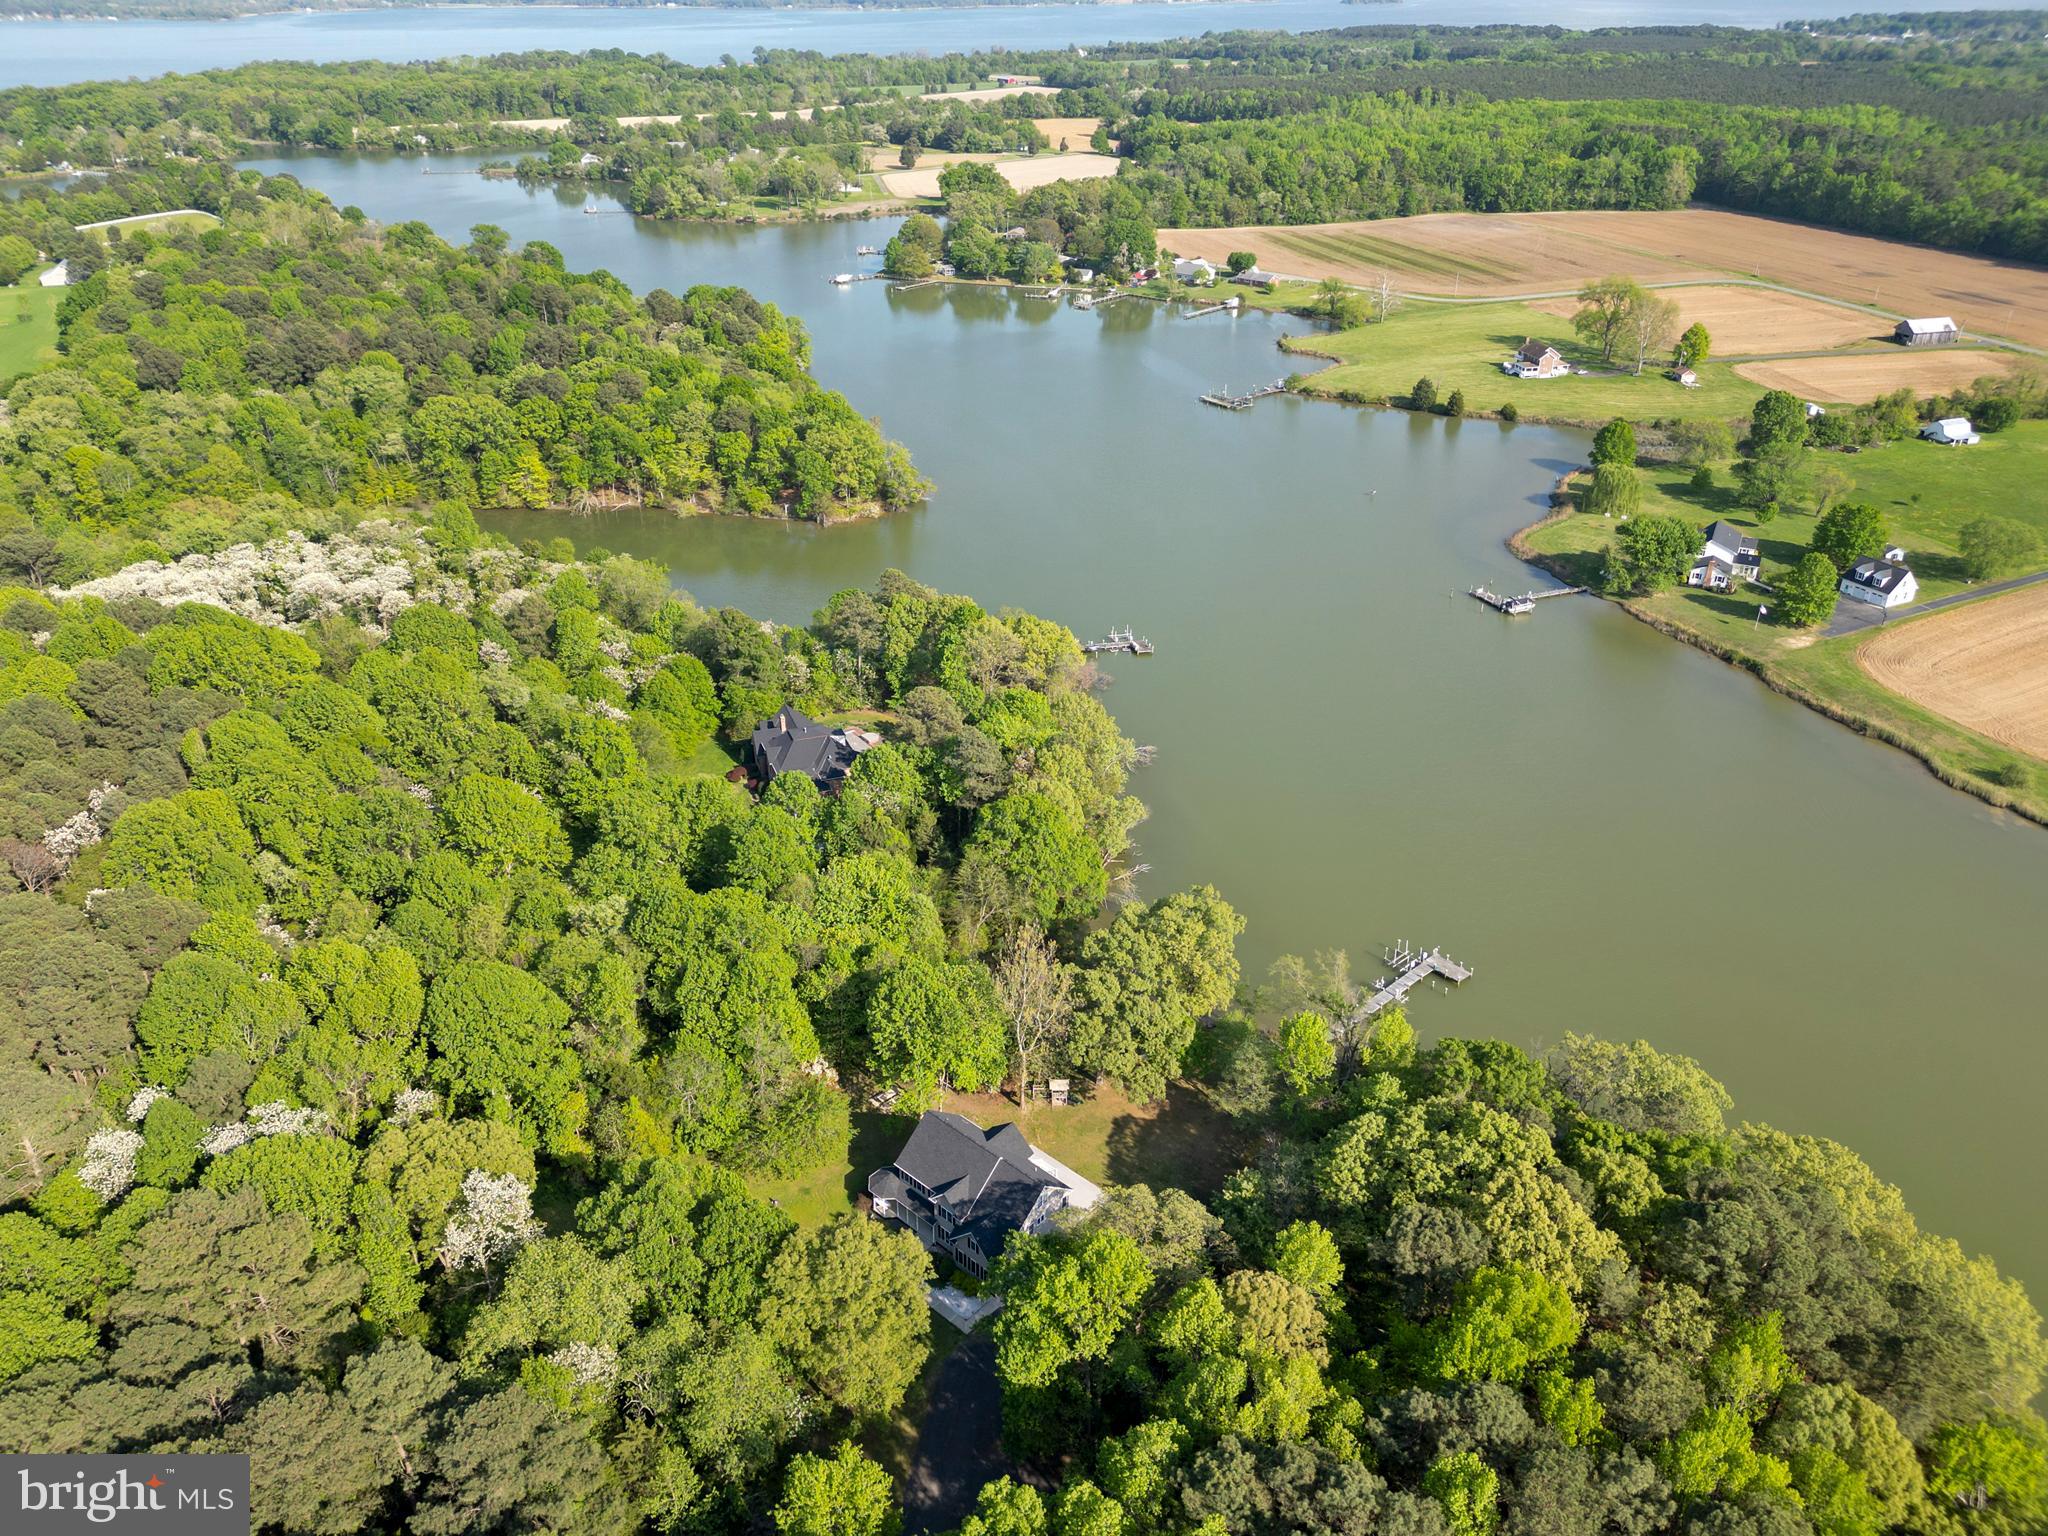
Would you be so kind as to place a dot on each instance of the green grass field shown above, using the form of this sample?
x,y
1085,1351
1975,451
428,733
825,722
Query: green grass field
x,y
184,218
28,326
1926,494
1461,347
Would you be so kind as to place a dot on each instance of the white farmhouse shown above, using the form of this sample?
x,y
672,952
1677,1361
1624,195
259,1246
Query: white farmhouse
x,y
1193,269
1727,556
55,277
1883,583
1950,431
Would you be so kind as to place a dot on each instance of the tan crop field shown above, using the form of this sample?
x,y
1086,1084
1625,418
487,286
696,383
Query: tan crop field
x,y
1530,253
1077,131
1984,666
1856,377
1743,320
1021,171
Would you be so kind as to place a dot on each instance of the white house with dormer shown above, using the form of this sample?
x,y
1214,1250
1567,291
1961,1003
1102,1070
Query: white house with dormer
x,y
1727,555
1880,581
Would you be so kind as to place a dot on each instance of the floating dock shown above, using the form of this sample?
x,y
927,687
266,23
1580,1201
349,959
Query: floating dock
x,y
1520,603
1120,640
1224,400
1410,969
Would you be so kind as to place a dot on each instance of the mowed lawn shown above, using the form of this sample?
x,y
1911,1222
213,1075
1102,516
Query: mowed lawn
x,y
1462,346
1184,1141
28,327
1926,493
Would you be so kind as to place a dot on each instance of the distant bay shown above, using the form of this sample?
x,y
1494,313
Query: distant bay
x,y
61,52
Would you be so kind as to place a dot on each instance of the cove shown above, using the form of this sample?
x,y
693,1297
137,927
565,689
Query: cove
x,y
1622,835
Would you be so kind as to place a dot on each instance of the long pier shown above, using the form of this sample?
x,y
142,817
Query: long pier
x,y
1224,400
1521,602
1410,969
1227,307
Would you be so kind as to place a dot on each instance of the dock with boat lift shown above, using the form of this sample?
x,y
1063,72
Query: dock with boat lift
x,y
1224,400
1408,969
1120,640
1520,603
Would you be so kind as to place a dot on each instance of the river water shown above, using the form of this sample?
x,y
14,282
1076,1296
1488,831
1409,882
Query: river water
x,y
1621,834
58,52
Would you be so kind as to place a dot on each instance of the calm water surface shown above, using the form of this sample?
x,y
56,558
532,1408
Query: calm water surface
x,y
1623,835
56,52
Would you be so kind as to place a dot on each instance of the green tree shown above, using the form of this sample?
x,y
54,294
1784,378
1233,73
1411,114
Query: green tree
x,y
1651,552
1850,532
1692,348
846,1304
1467,1490
1777,419
501,1039
503,825
1422,395
1996,546
1806,593
1063,1301
1616,491
1615,443
1307,1057
1506,1320
843,1495
1146,980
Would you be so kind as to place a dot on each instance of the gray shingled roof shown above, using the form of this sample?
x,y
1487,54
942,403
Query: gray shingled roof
x,y
793,742
985,1178
1878,575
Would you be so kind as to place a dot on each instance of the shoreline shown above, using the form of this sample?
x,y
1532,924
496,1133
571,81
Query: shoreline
x,y
372,6
1562,506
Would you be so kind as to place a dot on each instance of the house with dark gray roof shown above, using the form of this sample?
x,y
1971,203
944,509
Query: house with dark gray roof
x,y
1727,555
792,742
964,1190
1881,583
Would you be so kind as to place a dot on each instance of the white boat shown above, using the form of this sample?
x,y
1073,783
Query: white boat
x,y
842,279
868,250
591,206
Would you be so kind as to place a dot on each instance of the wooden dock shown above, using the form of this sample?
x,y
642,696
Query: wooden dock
x,y
1120,640
1520,603
1224,400
916,282
1410,969
1227,307
1101,301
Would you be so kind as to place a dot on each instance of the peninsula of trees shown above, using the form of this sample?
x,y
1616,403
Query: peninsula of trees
x,y
297,364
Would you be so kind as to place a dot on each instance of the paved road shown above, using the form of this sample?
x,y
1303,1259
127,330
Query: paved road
x,y
959,1440
1852,617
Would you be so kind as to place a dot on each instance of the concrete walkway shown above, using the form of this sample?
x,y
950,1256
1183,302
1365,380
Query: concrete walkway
x,y
1851,617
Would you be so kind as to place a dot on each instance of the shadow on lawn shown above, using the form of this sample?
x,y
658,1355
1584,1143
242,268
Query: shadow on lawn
x,y
1186,1142
877,1138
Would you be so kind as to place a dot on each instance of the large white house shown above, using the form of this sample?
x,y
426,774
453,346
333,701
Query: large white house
x,y
1193,269
1727,556
1880,582
55,277
1950,431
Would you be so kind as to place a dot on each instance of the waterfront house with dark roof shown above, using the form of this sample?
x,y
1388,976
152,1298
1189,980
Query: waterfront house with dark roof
x,y
1727,555
792,742
964,1190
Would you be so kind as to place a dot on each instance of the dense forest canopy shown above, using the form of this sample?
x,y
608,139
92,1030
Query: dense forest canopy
x,y
1933,136
405,1008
